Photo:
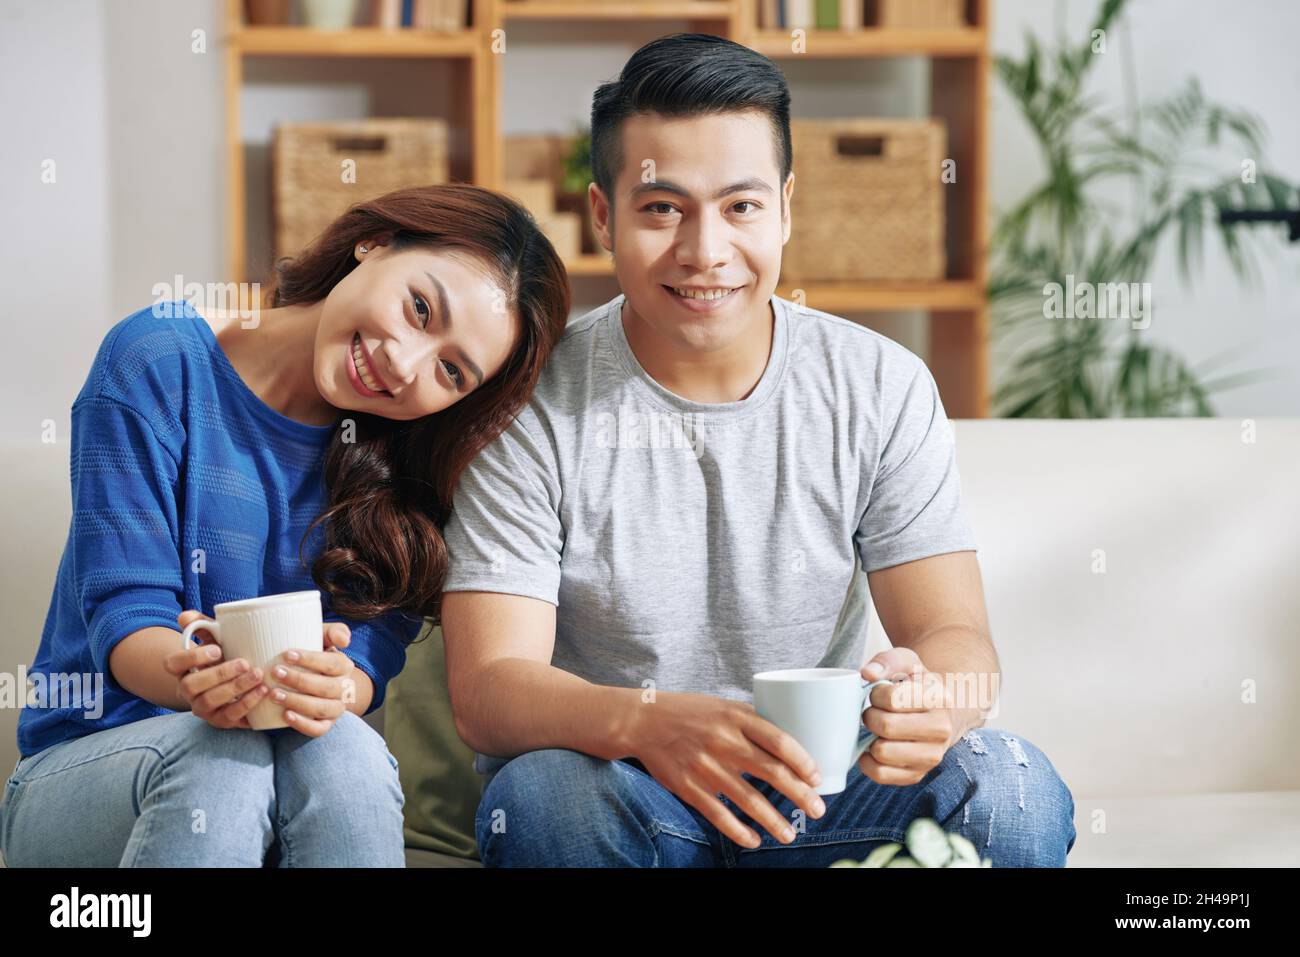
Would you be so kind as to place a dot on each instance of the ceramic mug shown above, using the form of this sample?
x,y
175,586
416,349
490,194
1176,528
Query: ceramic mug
x,y
822,709
260,630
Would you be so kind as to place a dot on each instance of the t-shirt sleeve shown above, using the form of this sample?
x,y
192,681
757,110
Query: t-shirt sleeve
x,y
914,509
504,533
125,551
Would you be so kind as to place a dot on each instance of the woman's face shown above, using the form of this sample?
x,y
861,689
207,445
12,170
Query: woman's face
x,y
408,333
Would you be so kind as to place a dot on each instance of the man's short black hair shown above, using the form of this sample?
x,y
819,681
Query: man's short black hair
x,y
682,75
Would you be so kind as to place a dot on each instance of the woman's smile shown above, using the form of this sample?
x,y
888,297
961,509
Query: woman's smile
x,y
360,369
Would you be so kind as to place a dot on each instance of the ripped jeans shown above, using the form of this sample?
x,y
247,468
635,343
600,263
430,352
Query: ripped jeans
x,y
562,808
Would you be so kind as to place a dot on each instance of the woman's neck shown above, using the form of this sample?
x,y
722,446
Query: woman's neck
x,y
275,358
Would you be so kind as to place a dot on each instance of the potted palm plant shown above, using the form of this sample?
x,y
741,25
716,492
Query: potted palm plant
x,y
1061,234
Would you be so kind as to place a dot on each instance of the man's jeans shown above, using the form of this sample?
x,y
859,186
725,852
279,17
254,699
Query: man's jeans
x,y
563,808
173,791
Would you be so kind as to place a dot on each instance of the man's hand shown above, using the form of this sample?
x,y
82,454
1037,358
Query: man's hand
x,y
914,720
697,746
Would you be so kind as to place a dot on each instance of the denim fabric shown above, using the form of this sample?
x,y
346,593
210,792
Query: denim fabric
x,y
173,791
562,808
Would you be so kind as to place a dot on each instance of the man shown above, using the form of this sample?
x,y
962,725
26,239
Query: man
x,y
685,502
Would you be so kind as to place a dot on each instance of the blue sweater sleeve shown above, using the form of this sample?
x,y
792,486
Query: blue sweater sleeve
x,y
378,647
126,566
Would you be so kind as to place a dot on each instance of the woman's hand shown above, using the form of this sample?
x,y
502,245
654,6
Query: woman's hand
x,y
323,687
220,692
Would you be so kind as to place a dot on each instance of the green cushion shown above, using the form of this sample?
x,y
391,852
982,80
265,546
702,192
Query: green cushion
x,y
436,768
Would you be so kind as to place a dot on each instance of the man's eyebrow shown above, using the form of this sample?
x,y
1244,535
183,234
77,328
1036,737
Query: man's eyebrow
x,y
665,186
444,316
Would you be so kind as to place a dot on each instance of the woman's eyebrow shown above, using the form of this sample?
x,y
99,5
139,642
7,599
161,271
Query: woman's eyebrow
x,y
444,317
665,186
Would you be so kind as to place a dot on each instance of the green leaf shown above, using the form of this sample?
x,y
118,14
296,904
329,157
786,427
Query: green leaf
x,y
882,855
963,849
928,843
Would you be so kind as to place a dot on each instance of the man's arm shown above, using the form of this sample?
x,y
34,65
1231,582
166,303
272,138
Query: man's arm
x,y
935,607
506,696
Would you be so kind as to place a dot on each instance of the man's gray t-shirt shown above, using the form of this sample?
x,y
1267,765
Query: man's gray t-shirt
x,y
689,545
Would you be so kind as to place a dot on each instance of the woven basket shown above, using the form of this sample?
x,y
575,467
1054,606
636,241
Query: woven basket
x,y
920,14
541,156
868,201
308,172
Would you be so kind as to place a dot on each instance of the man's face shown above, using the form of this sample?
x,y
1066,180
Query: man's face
x,y
671,229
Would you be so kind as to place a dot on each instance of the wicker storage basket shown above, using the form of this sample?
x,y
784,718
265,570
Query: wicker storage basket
x,y
868,201
307,160
537,195
541,156
921,14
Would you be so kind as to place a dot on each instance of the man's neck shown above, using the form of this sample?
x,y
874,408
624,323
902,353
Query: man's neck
x,y
723,375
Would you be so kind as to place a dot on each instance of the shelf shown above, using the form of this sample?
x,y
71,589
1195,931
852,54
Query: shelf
x,y
940,295
577,9
959,70
359,41
821,44
590,264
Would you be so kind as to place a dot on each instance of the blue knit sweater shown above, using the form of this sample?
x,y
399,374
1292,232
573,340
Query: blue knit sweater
x,y
187,491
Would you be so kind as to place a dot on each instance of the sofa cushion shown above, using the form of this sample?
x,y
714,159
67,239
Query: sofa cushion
x,y
1218,829
435,767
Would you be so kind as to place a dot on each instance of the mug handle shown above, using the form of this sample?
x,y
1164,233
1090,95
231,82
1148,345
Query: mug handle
x,y
865,743
203,624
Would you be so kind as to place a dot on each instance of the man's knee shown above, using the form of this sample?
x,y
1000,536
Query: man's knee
x,y
543,802
1019,796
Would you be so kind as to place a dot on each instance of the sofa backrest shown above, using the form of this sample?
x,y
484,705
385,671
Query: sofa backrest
x,y
1142,581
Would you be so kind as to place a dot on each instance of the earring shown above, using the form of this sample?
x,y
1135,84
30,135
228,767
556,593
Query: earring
x,y
363,249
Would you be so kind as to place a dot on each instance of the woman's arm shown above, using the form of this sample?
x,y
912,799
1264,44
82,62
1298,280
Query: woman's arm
x,y
365,693
136,663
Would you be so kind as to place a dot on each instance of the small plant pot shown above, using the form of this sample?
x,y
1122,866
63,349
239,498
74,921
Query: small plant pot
x,y
329,14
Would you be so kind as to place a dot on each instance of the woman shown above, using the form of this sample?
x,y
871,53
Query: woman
x,y
210,456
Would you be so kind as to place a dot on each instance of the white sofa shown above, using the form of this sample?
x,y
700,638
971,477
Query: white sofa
x,y
1142,586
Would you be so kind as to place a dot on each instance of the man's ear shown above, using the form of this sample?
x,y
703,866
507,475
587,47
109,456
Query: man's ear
x,y
601,216
787,193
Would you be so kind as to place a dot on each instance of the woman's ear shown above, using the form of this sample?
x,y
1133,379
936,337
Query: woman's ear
x,y
367,247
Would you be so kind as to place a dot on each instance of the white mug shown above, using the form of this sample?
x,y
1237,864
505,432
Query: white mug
x,y
260,630
822,709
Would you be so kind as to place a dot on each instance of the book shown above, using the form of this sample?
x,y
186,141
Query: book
x,y
852,14
387,14
827,15
799,13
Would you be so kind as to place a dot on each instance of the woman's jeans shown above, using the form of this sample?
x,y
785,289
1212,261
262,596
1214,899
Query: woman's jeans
x,y
173,791
562,808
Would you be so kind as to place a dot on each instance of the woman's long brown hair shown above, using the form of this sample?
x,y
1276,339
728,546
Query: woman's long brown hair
x,y
389,491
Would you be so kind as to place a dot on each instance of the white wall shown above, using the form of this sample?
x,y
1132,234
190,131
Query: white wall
x,y
55,247
1244,55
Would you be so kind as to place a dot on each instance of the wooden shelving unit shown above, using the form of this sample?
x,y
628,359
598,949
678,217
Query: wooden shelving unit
x,y
960,65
